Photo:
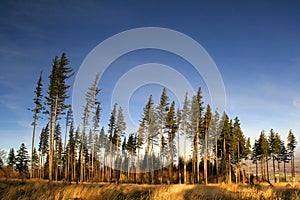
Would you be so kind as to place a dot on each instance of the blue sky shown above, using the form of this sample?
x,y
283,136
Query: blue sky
x,y
255,45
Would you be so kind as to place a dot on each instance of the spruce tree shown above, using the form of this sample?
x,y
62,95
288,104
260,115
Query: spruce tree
x,y
207,122
162,110
185,115
22,160
57,95
291,146
171,130
36,111
111,132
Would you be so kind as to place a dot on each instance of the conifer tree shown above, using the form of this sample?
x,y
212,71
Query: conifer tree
x,y
111,132
291,146
162,110
172,129
57,95
22,160
185,128
207,122
36,111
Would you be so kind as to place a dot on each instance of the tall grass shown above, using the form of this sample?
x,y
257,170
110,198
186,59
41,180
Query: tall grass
x,y
14,190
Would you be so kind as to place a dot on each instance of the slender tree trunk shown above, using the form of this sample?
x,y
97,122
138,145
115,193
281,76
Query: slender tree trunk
x,y
284,171
51,146
267,162
32,143
161,153
217,160
278,164
205,155
178,157
184,153
274,169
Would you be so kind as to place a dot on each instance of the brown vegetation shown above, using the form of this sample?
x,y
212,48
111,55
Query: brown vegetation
x,y
43,190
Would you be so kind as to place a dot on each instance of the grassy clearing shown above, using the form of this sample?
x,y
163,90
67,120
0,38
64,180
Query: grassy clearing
x,y
43,190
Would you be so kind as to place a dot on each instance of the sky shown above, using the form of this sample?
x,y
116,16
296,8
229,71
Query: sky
x,y
254,44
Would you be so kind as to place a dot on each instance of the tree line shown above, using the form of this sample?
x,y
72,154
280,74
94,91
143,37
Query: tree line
x,y
190,145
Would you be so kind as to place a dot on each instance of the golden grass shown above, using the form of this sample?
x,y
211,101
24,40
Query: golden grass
x,y
43,190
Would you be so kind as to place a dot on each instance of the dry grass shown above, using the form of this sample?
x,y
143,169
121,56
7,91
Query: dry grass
x,y
44,190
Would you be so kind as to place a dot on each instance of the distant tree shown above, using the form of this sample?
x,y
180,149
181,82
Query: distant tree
x,y
2,157
11,159
273,148
263,152
255,155
284,157
247,154
38,108
291,146
35,165
22,160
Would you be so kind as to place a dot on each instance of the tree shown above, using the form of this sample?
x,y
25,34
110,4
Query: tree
x,y
225,147
36,111
207,122
247,154
273,148
238,147
185,128
178,117
91,101
131,149
150,132
255,155
118,134
22,160
285,157
291,146
162,110
35,163
44,147
263,152
111,132
172,129
215,132
11,159
57,95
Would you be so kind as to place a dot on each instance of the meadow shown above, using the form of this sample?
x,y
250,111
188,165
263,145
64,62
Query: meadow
x,y
43,190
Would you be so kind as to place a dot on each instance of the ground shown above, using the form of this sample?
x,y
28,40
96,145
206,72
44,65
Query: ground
x,y
18,189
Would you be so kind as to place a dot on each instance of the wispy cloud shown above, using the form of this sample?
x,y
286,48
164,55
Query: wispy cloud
x,y
296,102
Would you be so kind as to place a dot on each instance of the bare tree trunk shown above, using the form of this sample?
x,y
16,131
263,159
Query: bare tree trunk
x,y
274,170
184,153
161,154
217,159
278,164
178,157
205,155
32,143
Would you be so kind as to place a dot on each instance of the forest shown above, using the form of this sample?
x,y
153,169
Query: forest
x,y
189,145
